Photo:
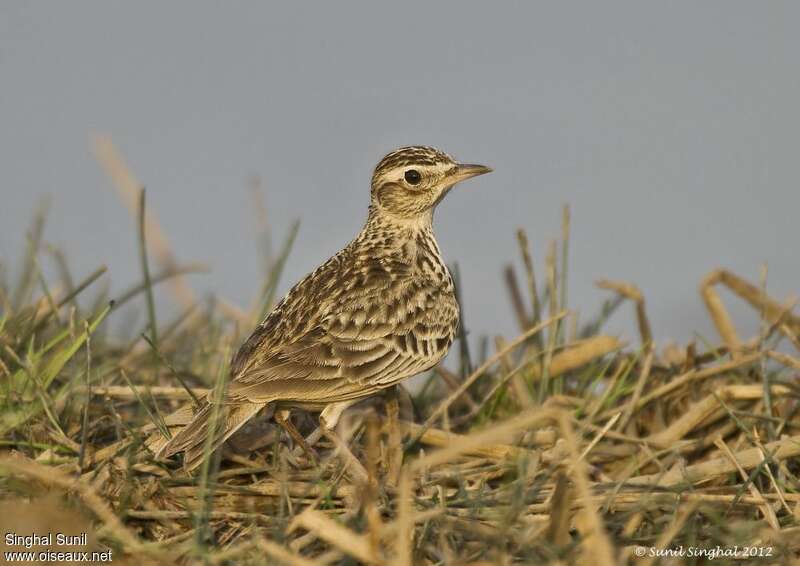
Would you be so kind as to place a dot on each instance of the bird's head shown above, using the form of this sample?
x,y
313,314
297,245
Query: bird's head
x,y
409,182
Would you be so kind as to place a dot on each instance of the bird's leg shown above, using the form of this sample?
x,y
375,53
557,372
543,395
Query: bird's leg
x,y
328,419
282,418
394,453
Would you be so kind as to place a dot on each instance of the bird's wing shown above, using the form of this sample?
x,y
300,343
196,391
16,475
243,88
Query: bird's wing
x,y
368,330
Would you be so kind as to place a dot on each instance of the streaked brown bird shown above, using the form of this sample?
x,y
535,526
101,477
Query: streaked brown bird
x,y
381,310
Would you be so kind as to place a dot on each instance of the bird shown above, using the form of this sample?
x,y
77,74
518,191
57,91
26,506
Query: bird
x,y
381,310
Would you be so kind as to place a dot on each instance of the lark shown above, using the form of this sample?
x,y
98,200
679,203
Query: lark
x,y
380,311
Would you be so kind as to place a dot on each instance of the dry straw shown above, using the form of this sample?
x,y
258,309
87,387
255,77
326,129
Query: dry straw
x,y
565,445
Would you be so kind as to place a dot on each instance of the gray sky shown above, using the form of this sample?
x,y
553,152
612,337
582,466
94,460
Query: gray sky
x,y
671,128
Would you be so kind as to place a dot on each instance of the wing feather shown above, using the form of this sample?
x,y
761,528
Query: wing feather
x,y
369,328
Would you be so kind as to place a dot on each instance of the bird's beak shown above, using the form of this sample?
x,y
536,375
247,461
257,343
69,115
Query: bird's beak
x,y
465,171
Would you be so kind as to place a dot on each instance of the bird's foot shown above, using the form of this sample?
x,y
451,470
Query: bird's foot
x,y
284,421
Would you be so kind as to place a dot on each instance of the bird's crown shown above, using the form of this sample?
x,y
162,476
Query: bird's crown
x,y
417,155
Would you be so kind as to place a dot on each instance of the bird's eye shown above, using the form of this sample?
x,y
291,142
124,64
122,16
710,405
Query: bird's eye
x,y
412,177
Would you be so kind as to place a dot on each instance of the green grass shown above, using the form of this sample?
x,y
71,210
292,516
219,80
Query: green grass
x,y
531,438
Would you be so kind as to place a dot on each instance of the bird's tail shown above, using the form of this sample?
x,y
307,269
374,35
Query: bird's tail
x,y
193,426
